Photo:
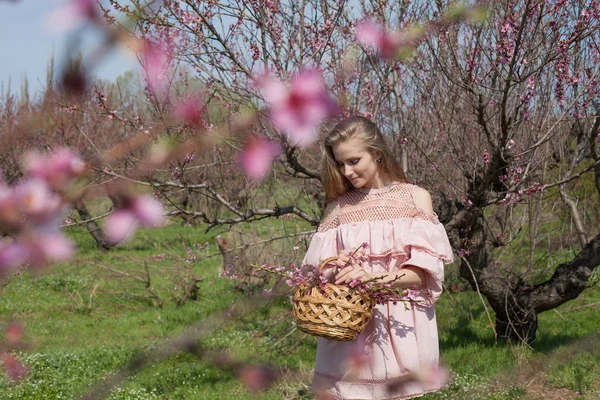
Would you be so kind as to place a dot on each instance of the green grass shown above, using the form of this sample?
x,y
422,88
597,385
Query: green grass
x,y
83,321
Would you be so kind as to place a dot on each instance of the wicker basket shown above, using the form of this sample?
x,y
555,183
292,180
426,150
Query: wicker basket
x,y
335,312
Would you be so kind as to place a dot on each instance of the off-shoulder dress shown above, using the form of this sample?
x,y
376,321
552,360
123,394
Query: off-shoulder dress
x,y
402,338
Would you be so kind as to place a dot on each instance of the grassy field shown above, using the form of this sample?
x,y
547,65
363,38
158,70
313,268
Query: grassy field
x,y
89,317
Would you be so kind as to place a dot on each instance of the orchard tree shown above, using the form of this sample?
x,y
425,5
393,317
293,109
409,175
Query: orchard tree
x,y
495,111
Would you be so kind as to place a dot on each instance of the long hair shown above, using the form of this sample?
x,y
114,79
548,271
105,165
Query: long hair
x,y
334,182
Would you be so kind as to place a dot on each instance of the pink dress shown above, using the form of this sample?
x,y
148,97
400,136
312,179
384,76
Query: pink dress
x,y
402,338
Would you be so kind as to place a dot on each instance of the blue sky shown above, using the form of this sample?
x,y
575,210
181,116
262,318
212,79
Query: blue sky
x,y
27,40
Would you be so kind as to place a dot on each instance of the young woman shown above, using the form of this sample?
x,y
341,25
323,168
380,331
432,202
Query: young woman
x,y
371,201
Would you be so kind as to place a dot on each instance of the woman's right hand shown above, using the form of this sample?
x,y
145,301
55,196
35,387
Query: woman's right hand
x,y
331,269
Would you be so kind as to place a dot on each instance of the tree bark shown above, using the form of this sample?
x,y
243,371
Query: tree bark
x,y
517,304
92,227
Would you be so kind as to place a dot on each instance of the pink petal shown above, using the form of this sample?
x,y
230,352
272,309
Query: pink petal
x,y
51,247
57,169
15,369
10,215
149,211
87,8
65,160
373,35
64,19
34,163
190,110
308,84
35,199
155,63
12,255
272,89
301,128
433,375
303,135
14,333
120,226
257,156
256,377
298,112
369,34
72,15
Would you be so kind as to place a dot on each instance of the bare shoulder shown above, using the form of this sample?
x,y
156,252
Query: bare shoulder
x,y
423,199
329,210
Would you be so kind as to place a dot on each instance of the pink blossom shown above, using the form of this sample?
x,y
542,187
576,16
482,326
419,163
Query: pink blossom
x,y
149,211
14,333
120,226
257,378
73,14
12,254
35,199
47,247
155,64
10,216
15,369
298,110
57,169
190,110
373,35
143,211
486,157
257,156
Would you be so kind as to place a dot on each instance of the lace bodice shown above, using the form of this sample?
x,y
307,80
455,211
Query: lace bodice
x,y
391,202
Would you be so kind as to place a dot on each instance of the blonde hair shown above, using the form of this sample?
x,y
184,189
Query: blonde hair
x,y
333,181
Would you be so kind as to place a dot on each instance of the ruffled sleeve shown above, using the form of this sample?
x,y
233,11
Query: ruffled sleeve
x,y
325,242
427,247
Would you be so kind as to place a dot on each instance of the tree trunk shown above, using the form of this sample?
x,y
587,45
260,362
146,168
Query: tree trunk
x,y
515,302
92,227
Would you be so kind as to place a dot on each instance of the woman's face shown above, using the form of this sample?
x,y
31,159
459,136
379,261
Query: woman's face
x,y
357,164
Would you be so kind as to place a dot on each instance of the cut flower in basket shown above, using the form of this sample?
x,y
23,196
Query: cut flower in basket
x,y
323,276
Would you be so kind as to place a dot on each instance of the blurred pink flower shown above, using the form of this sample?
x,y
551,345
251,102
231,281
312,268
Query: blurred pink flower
x,y
257,377
155,62
143,211
12,254
257,156
433,375
73,14
15,369
14,333
373,35
190,110
9,215
35,200
57,168
120,226
47,247
148,210
298,110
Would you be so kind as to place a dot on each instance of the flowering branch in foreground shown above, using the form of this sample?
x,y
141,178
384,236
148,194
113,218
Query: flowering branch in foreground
x,y
297,275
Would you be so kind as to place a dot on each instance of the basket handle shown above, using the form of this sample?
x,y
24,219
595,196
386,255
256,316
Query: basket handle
x,y
326,261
